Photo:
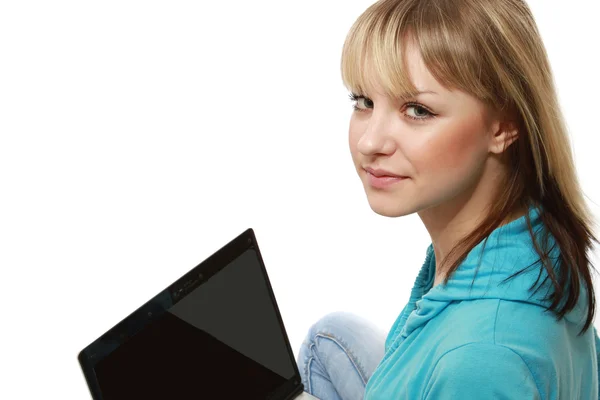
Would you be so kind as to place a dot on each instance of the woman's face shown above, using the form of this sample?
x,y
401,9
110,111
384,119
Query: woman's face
x,y
441,156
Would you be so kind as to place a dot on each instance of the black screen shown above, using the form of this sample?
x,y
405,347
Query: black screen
x,y
221,341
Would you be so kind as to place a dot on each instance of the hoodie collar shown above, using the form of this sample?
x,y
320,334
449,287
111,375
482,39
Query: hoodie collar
x,y
508,250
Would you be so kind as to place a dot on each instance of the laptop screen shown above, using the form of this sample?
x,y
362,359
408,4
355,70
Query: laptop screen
x,y
220,340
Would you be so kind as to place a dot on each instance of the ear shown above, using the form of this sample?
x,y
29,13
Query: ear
x,y
503,134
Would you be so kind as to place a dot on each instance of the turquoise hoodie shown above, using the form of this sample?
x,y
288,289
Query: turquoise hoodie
x,y
493,341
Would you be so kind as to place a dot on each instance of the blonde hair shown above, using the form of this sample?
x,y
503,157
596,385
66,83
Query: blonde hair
x,y
492,50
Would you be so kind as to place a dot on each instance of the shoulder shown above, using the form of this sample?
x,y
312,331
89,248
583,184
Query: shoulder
x,y
518,324
503,322
481,369
484,355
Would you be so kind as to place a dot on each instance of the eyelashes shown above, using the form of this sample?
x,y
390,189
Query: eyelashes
x,y
356,98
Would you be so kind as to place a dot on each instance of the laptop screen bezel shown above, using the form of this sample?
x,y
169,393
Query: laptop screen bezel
x,y
96,351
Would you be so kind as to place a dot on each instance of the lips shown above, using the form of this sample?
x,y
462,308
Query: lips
x,y
382,179
381,173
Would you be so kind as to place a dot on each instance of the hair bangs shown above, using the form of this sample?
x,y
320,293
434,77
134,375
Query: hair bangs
x,y
374,53
373,56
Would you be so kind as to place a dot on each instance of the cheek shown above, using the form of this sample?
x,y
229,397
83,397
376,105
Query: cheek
x,y
451,152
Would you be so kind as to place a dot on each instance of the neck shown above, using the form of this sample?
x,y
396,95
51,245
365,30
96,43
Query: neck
x,y
452,220
447,224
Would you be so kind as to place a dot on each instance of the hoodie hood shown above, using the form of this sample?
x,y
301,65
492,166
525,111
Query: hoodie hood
x,y
508,250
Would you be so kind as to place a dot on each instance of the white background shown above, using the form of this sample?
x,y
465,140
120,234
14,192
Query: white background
x,y
137,137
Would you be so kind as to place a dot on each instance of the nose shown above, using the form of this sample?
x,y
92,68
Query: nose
x,y
377,139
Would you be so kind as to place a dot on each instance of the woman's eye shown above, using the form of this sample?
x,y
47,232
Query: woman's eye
x,y
421,112
368,103
361,102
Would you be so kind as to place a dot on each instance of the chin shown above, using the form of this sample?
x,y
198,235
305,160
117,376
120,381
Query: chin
x,y
387,206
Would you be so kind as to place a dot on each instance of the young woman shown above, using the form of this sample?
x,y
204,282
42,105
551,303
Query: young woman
x,y
456,118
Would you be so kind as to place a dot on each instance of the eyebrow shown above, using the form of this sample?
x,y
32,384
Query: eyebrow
x,y
402,97
416,94
426,91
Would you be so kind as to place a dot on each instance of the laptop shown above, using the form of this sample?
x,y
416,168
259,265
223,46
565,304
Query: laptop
x,y
215,333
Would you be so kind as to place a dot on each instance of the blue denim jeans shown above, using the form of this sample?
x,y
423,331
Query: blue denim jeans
x,y
339,355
